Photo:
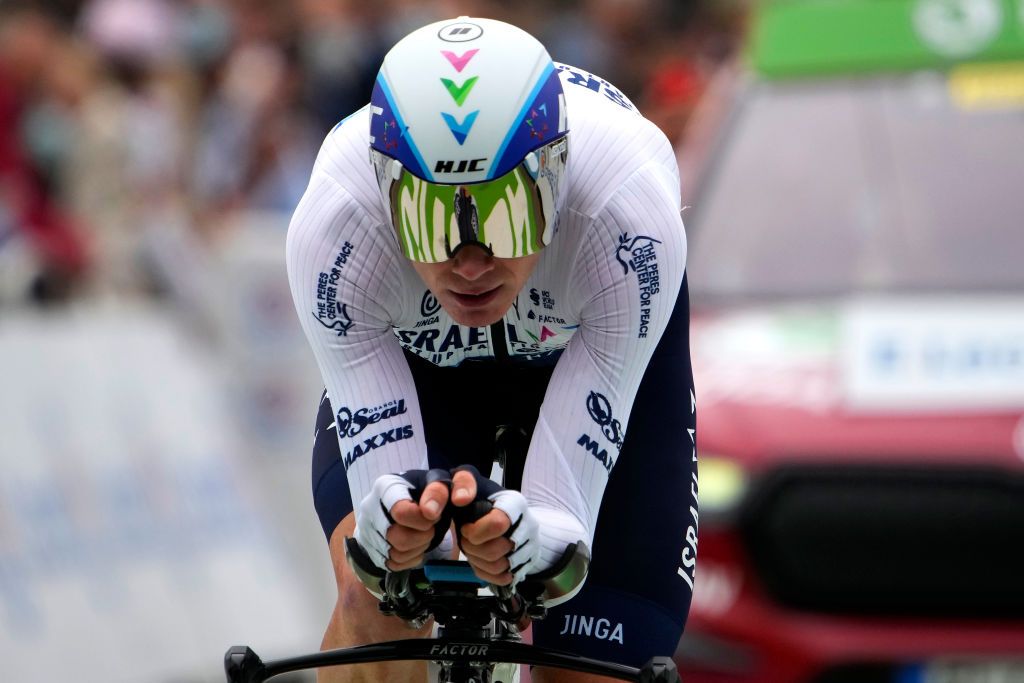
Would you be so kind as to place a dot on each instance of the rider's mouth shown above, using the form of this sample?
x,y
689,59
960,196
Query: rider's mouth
x,y
475,299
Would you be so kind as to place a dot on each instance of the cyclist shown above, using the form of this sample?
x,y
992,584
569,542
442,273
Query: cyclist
x,y
511,256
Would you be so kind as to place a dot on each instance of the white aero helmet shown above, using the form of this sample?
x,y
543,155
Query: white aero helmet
x,y
469,141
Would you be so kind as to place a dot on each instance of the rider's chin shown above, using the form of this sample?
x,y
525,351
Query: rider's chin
x,y
476,309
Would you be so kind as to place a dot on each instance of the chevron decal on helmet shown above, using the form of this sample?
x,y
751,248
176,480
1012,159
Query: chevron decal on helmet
x,y
459,92
459,61
460,130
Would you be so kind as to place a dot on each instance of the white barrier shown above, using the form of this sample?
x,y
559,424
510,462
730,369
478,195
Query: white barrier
x,y
133,542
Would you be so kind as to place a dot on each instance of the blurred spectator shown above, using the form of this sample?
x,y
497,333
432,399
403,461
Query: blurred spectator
x,y
154,122
572,35
683,62
139,31
672,90
205,32
50,251
132,120
255,146
340,52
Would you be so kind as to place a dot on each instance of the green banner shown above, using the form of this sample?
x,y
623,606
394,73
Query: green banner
x,y
814,37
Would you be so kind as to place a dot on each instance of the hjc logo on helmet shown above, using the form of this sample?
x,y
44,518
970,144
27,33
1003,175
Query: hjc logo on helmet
x,y
447,166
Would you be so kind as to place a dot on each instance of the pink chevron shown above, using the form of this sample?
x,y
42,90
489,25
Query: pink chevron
x,y
459,62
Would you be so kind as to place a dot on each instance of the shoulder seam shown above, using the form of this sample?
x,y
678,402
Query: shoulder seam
x,y
391,256
597,217
341,186
643,167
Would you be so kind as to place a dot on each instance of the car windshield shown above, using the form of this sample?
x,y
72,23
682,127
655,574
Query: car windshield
x,y
829,188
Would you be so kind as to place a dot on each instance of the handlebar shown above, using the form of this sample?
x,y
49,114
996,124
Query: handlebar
x,y
242,665
448,590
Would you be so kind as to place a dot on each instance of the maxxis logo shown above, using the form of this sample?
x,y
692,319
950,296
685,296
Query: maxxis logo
x,y
594,448
375,442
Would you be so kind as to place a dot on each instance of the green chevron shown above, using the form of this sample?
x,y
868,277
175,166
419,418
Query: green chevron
x,y
459,92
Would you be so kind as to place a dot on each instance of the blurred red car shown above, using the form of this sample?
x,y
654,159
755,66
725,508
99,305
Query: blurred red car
x,y
857,276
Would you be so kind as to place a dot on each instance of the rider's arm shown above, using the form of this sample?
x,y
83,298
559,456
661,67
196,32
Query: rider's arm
x,y
344,284
626,278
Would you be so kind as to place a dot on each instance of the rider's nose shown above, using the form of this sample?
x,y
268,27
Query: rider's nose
x,y
472,262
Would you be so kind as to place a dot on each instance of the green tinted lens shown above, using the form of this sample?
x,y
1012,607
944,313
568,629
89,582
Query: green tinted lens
x,y
432,220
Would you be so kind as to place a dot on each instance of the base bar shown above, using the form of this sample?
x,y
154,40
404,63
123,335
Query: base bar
x,y
244,666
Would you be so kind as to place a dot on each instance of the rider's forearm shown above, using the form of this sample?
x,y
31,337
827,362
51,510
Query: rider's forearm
x,y
557,530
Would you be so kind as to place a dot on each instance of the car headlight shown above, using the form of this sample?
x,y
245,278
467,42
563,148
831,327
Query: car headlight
x,y
722,483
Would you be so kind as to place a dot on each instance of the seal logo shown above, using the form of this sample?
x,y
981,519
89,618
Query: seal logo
x,y
601,412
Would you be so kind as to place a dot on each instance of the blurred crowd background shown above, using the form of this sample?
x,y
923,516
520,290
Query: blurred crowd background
x,y
132,131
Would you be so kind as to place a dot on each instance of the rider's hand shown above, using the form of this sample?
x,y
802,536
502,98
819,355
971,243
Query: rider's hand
x,y
502,545
394,530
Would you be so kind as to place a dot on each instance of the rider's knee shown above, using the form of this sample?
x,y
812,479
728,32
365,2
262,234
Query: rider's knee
x,y
356,611
363,622
354,599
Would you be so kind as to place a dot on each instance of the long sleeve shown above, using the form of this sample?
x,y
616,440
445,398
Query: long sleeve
x,y
627,277
346,285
